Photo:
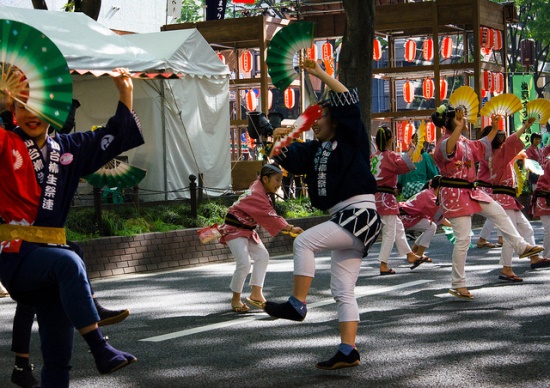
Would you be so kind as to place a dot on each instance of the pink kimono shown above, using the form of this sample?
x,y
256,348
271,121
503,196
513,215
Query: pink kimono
x,y
386,166
534,153
501,166
251,209
542,206
459,202
422,205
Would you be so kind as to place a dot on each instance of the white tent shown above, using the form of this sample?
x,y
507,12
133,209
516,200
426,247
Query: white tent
x,y
185,120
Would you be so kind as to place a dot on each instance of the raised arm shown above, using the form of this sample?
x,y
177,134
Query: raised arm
x,y
125,87
313,68
526,124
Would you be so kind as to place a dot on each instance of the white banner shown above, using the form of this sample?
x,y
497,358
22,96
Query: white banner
x,y
173,8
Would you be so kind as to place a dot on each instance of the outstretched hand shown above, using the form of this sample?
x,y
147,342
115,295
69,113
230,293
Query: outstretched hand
x,y
125,86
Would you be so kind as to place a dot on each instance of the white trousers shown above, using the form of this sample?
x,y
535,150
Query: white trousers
x,y
428,229
487,229
245,251
546,242
462,227
345,263
392,232
525,230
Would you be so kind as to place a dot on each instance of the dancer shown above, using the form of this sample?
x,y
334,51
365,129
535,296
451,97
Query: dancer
x,y
422,213
39,186
504,183
253,208
413,181
455,155
483,183
541,204
386,166
337,171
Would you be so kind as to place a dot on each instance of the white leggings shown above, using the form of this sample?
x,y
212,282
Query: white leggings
x,y
428,229
245,250
346,255
525,230
392,232
461,229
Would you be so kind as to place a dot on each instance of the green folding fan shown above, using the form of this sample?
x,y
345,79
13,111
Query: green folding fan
x,y
116,173
34,72
282,49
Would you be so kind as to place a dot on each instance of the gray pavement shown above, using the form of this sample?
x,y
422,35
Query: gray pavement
x,y
412,332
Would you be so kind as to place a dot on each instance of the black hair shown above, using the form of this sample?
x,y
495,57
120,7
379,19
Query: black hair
x,y
497,141
434,183
269,170
535,136
383,135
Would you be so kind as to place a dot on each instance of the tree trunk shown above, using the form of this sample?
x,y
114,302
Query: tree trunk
x,y
39,4
355,62
91,8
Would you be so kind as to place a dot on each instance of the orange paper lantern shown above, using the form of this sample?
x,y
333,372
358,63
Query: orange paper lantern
x,y
498,82
246,61
290,98
408,92
497,40
410,50
443,88
486,37
327,51
251,100
312,53
428,49
408,130
487,81
430,132
377,50
447,47
428,88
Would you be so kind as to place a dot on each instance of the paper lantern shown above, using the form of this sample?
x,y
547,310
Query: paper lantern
x,y
222,58
428,49
289,98
312,53
497,40
327,51
498,82
483,93
487,81
408,130
269,99
428,88
410,50
430,132
408,92
486,51
447,47
251,100
486,37
443,88
377,50
246,61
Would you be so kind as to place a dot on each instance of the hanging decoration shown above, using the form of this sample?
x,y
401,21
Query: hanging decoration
x,y
498,83
408,130
486,51
377,50
408,92
290,98
428,88
312,52
447,47
328,57
428,49
246,61
483,93
486,37
443,88
251,100
430,132
410,50
487,81
497,40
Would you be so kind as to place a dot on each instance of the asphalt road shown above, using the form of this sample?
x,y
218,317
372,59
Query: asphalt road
x,y
412,332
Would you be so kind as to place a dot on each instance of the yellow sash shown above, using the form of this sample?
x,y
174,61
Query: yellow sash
x,y
36,234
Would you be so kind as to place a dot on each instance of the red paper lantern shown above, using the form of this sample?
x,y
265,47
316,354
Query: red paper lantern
x,y
312,53
290,98
251,100
430,132
443,88
408,92
447,47
487,81
246,61
428,49
327,51
483,93
222,58
497,40
408,130
498,82
410,50
428,88
486,37
377,50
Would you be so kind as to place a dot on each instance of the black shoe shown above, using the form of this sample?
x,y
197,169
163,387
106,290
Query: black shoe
x,y
284,310
340,360
23,377
110,317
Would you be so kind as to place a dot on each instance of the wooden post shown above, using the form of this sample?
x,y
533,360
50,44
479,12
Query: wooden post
x,y
200,188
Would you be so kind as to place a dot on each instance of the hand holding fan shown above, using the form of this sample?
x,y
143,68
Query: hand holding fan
x,y
421,138
282,49
303,123
34,72
466,98
505,104
539,109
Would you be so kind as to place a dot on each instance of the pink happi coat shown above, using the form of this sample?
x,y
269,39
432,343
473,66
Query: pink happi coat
x,y
543,184
458,202
420,206
253,208
484,175
501,165
535,153
386,166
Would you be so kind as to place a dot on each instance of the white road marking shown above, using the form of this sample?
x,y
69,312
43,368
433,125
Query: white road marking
x,y
239,321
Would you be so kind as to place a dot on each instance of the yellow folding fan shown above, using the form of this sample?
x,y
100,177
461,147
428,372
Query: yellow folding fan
x,y
466,98
539,109
505,104
421,138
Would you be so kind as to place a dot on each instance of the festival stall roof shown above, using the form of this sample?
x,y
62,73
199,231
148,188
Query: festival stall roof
x,y
185,120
